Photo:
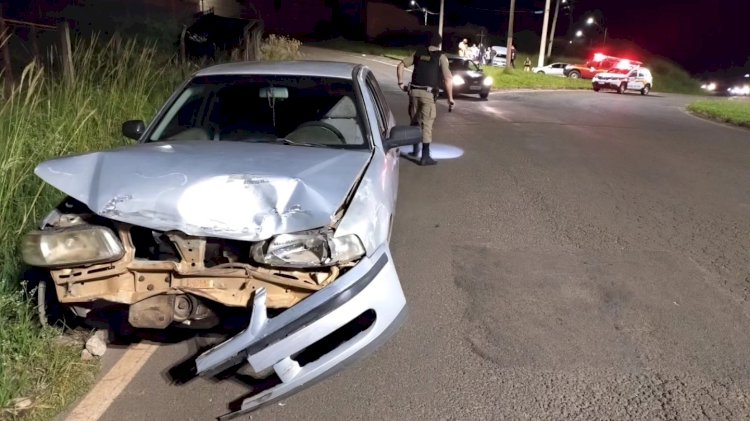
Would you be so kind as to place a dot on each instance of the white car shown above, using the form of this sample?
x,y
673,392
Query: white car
x,y
500,58
554,69
260,190
622,80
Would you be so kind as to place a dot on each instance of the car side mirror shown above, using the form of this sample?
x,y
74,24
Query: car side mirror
x,y
403,136
133,129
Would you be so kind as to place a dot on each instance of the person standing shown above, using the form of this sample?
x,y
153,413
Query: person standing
x,y
463,46
430,64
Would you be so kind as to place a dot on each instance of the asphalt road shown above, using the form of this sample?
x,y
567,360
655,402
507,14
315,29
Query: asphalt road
x,y
587,257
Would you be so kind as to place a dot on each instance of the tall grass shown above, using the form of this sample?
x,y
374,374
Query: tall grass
x,y
46,117
733,111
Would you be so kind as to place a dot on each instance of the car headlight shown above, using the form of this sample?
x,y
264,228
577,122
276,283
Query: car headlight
x,y
78,245
308,249
487,81
458,80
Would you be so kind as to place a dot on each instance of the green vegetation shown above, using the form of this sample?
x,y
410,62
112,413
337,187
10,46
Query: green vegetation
x,y
45,117
519,79
729,111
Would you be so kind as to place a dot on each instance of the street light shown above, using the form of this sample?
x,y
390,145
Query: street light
x,y
417,8
592,21
579,33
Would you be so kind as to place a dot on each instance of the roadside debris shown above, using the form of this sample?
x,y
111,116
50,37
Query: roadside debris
x,y
97,344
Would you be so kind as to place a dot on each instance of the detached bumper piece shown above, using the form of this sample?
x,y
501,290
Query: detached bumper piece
x,y
272,344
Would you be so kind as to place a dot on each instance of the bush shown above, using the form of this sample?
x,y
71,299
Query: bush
x,y
278,48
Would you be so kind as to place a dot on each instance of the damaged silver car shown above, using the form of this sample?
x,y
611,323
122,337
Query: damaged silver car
x,y
263,188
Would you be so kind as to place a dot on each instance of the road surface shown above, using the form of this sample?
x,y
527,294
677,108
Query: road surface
x,y
587,257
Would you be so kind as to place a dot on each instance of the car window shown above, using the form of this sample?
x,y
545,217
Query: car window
x,y
462,65
248,108
377,95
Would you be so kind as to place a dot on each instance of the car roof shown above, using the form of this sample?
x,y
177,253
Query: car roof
x,y
334,69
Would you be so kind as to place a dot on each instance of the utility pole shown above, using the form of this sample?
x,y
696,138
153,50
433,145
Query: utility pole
x,y
509,45
544,34
554,28
440,21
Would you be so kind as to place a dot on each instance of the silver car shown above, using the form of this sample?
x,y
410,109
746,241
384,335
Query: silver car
x,y
261,190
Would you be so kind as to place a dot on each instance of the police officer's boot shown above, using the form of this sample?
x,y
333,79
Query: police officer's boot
x,y
426,158
414,150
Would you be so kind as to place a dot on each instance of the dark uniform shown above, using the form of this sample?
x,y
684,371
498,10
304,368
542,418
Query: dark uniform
x,y
430,65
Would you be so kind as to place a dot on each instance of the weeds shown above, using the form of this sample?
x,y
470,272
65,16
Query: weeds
x,y
46,117
275,48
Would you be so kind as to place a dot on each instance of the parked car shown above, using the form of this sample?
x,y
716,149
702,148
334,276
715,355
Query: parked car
x,y
501,54
257,187
622,80
554,69
468,77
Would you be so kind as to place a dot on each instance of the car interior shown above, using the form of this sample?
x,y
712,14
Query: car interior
x,y
298,109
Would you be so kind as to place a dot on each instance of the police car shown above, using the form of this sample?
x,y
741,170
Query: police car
x,y
624,79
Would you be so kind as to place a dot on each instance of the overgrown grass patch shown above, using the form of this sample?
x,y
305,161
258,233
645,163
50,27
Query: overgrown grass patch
x,y
47,117
736,111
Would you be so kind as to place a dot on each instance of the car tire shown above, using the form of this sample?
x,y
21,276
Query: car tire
x,y
540,72
646,89
597,88
575,74
621,89
484,95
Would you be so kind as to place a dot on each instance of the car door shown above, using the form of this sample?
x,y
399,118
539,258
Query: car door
x,y
385,122
634,82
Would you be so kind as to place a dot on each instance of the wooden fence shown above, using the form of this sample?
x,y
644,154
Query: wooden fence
x,y
8,30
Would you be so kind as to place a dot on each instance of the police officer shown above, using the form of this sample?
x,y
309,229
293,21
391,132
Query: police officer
x,y
430,64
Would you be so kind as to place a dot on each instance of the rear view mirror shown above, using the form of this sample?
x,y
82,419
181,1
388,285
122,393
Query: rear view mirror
x,y
403,136
133,129
274,92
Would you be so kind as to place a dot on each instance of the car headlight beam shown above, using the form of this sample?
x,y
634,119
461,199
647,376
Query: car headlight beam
x,y
308,249
72,246
458,80
487,81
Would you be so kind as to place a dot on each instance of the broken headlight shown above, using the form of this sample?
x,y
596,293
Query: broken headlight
x,y
308,249
76,245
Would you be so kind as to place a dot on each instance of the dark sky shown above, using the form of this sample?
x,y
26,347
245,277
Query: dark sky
x,y
702,35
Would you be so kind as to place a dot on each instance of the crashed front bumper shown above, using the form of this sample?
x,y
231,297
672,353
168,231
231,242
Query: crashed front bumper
x,y
372,285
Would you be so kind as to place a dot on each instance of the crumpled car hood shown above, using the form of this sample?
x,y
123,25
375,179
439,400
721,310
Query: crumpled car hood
x,y
235,190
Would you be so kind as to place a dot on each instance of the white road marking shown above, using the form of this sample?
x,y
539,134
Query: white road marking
x,y
106,390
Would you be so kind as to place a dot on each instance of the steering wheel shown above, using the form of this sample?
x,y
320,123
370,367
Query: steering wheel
x,y
326,126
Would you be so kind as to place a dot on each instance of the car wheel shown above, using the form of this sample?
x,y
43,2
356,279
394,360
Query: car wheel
x,y
575,74
540,72
621,88
484,95
597,88
646,89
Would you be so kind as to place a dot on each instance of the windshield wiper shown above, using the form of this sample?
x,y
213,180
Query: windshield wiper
x,y
286,141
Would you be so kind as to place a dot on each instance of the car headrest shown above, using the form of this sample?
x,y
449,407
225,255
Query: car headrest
x,y
345,108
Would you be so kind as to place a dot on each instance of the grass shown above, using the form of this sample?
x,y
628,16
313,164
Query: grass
x,y
43,118
735,112
115,80
518,79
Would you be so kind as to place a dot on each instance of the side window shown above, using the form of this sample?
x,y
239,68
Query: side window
x,y
381,105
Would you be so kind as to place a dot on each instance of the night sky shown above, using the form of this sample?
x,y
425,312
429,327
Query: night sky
x,y
701,35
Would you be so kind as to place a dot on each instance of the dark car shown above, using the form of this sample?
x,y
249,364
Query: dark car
x,y
468,78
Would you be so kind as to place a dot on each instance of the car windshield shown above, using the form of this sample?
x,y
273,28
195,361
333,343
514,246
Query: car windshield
x,y
460,64
304,110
